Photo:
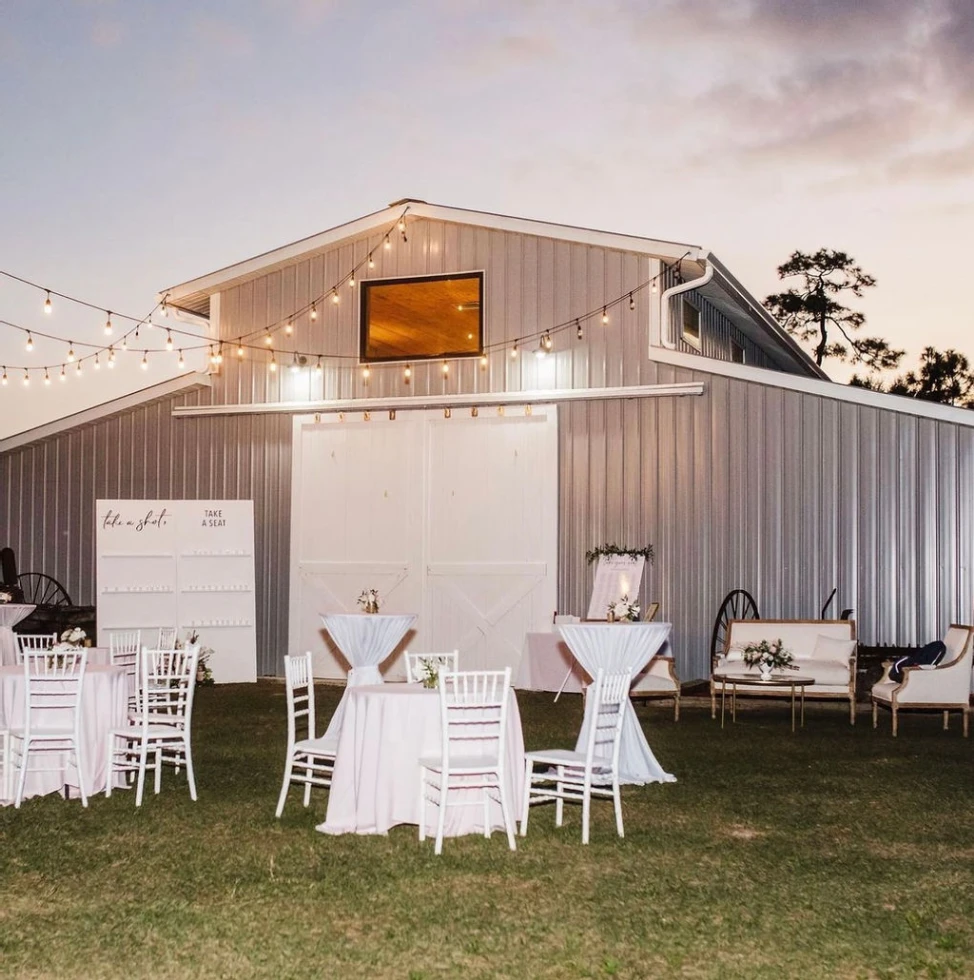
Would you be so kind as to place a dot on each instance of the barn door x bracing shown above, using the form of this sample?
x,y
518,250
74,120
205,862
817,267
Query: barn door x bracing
x,y
453,518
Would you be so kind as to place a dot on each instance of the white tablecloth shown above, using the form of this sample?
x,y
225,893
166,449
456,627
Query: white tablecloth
x,y
11,613
365,640
615,647
104,705
375,785
546,659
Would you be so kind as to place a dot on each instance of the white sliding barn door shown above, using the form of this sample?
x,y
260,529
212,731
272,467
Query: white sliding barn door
x,y
451,518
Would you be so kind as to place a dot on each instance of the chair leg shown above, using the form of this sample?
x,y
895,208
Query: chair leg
x,y
109,765
964,714
852,709
157,782
441,816
422,804
526,804
190,774
308,776
79,762
143,758
875,715
946,717
487,820
22,775
586,805
288,768
894,721
676,707
713,701
559,802
617,802
506,813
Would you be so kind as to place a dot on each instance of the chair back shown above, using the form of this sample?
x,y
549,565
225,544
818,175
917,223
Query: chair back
x,y
473,713
609,695
168,686
300,695
33,641
124,649
167,638
443,662
52,683
959,645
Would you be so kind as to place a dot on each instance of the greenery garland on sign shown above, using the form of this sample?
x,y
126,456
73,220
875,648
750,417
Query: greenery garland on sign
x,y
614,549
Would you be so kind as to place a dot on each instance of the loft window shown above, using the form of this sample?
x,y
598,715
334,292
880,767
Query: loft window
x,y
691,324
423,317
736,352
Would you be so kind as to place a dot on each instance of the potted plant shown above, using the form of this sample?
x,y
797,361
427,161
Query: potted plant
x,y
369,600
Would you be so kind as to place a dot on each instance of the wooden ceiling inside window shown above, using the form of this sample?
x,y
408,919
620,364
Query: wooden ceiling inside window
x,y
422,318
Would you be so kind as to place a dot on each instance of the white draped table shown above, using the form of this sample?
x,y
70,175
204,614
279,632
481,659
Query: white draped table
x,y
11,613
386,730
616,647
104,705
365,640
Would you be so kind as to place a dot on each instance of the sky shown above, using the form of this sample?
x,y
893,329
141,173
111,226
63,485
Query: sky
x,y
144,144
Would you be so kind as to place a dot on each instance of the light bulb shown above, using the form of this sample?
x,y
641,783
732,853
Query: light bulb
x,y
654,288
578,329
48,305
351,279
371,261
632,302
366,373
219,354
314,312
3,380
30,341
97,364
605,315
542,351
407,374
145,361
26,378
446,368
47,377
240,350
273,365
546,340
77,369
402,224
62,376
168,340
387,244
181,362
163,309
289,327
268,339
111,357
334,295
483,361
108,323
212,355
125,343
70,352
318,365
514,350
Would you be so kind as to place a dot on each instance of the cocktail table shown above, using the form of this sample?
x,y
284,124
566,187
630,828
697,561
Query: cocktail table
x,y
792,681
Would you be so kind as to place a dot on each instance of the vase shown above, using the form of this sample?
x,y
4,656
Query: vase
x,y
765,669
371,607
610,616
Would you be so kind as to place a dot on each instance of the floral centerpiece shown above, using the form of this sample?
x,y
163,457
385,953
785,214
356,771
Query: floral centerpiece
x,y
369,600
623,610
72,638
768,657
430,672
204,674
6,596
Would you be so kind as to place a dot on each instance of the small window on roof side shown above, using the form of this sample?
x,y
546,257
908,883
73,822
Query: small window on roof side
x,y
737,352
691,324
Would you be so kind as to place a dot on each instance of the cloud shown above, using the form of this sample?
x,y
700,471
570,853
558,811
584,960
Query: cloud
x,y
224,36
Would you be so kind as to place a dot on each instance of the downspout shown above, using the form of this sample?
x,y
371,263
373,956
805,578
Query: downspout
x,y
668,294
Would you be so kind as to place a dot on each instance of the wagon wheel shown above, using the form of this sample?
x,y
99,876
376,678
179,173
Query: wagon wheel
x,y
42,590
738,604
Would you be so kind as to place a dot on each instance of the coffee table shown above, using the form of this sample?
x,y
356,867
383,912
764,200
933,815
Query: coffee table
x,y
792,681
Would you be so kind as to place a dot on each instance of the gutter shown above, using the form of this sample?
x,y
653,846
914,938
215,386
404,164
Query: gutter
x,y
668,294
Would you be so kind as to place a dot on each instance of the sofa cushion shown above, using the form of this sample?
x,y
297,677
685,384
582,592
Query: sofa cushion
x,y
830,672
832,649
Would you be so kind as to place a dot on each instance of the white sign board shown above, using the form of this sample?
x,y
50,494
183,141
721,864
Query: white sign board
x,y
182,563
615,576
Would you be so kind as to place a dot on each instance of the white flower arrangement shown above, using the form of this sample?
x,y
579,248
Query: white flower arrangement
x,y
369,600
6,596
73,637
430,671
625,609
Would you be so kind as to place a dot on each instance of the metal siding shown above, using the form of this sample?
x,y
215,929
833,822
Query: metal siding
x,y
48,492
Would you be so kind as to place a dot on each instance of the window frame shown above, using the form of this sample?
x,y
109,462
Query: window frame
x,y
368,284
688,337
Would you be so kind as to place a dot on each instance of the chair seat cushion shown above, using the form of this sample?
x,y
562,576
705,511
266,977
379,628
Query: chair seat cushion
x,y
883,690
318,746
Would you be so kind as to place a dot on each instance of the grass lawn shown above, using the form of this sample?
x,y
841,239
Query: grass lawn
x,y
836,852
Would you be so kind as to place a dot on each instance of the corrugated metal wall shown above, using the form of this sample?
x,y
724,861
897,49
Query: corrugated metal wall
x,y
531,284
48,492
782,493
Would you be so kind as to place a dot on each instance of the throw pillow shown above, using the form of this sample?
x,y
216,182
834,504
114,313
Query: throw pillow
x,y
833,649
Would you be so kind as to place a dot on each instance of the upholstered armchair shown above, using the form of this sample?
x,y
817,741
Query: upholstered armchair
x,y
946,687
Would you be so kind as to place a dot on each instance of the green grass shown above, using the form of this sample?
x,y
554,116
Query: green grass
x,y
836,852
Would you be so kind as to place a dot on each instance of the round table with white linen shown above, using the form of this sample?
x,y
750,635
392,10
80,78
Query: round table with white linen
x,y
386,730
365,640
104,705
11,613
616,647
